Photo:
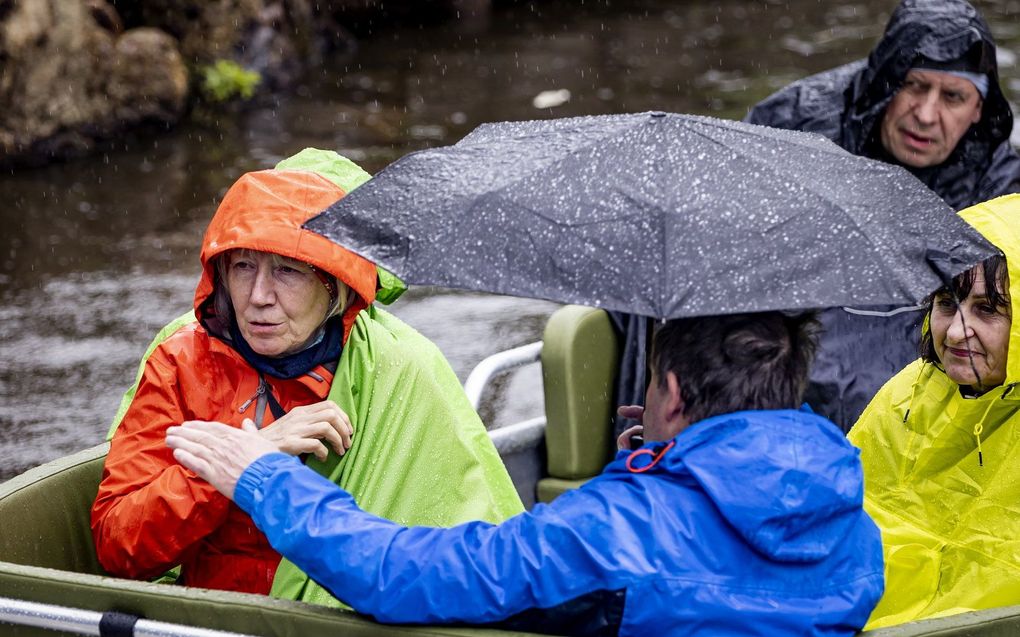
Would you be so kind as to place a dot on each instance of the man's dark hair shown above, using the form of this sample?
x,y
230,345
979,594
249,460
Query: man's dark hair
x,y
738,362
994,269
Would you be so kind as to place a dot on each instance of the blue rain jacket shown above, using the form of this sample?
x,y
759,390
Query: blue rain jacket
x,y
749,523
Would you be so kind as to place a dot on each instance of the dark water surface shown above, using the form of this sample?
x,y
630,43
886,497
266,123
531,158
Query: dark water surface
x,y
97,254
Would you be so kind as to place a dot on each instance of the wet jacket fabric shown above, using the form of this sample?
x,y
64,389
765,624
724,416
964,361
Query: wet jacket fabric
x,y
846,104
748,523
151,514
858,353
950,522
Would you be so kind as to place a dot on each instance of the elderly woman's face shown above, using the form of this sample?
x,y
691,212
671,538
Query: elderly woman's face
x,y
971,331
278,302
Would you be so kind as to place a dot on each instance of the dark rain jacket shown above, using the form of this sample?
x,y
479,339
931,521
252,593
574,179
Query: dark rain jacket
x,y
846,104
859,353
748,523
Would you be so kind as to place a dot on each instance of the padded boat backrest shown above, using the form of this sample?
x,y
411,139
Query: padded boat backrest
x,y
580,359
45,514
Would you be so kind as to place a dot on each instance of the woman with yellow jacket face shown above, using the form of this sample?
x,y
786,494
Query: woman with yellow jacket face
x,y
940,444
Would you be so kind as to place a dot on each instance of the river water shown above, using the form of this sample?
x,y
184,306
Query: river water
x,y
97,254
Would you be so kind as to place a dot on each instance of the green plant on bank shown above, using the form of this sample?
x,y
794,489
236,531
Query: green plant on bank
x,y
225,80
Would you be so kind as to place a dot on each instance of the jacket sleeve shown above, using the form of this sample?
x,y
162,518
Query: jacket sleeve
x,y
476,572
150,510
814,104
1003,175
776,110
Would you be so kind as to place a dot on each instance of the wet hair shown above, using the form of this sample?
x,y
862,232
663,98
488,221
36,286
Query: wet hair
x,y
739,362
994,269
338,291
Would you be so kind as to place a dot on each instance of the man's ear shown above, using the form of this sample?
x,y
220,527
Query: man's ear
x,y
977,113
674,404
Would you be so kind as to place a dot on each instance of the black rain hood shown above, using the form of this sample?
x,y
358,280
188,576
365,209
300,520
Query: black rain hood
x,y
846,104
939,31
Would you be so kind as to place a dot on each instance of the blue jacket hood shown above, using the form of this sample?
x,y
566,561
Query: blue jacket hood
x,y
787,480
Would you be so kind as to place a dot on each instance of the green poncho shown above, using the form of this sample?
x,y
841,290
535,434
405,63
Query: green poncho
x,y
419,455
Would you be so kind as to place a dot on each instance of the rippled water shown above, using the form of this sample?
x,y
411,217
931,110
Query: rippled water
x,y
97,254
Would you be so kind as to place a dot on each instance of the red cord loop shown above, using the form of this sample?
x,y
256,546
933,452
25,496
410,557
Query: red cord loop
x,y
656,457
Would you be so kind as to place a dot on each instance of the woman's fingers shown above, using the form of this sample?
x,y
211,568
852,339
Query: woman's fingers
x,y
312,446
330,412
342,426
331,434
347,430
319,421
305,437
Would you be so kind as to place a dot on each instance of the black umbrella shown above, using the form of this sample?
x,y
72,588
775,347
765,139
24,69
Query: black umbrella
x,y
657,214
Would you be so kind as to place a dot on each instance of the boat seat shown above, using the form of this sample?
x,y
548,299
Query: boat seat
x,y
580,359
56,535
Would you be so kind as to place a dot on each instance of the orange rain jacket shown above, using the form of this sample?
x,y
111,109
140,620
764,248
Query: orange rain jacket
x,y
151,514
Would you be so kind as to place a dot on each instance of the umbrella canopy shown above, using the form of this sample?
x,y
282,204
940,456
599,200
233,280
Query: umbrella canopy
x,y
657,214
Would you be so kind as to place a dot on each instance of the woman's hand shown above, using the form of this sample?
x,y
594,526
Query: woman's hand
x,y
304,428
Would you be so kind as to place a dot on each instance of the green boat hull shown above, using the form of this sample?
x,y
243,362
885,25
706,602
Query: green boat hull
x,y
47,556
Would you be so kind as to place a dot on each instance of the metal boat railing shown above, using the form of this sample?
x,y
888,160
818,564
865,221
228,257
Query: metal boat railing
x,y
518,444
87,622
518,436
498,363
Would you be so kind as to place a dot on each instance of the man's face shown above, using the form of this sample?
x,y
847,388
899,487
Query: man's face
x,y
927,117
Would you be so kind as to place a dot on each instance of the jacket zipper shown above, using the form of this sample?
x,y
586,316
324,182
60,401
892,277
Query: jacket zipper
x,y
260,406
259,391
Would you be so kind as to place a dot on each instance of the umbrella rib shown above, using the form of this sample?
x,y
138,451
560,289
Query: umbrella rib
x,y
758,162
806,186
828,147
555,165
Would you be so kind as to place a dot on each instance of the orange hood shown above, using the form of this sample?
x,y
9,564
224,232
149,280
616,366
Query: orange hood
x,y
264,211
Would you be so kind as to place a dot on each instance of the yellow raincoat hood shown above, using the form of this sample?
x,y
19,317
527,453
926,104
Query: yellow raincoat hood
x,y
950,525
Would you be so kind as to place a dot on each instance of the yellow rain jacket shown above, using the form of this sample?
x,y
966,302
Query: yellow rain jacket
x,y
950,524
